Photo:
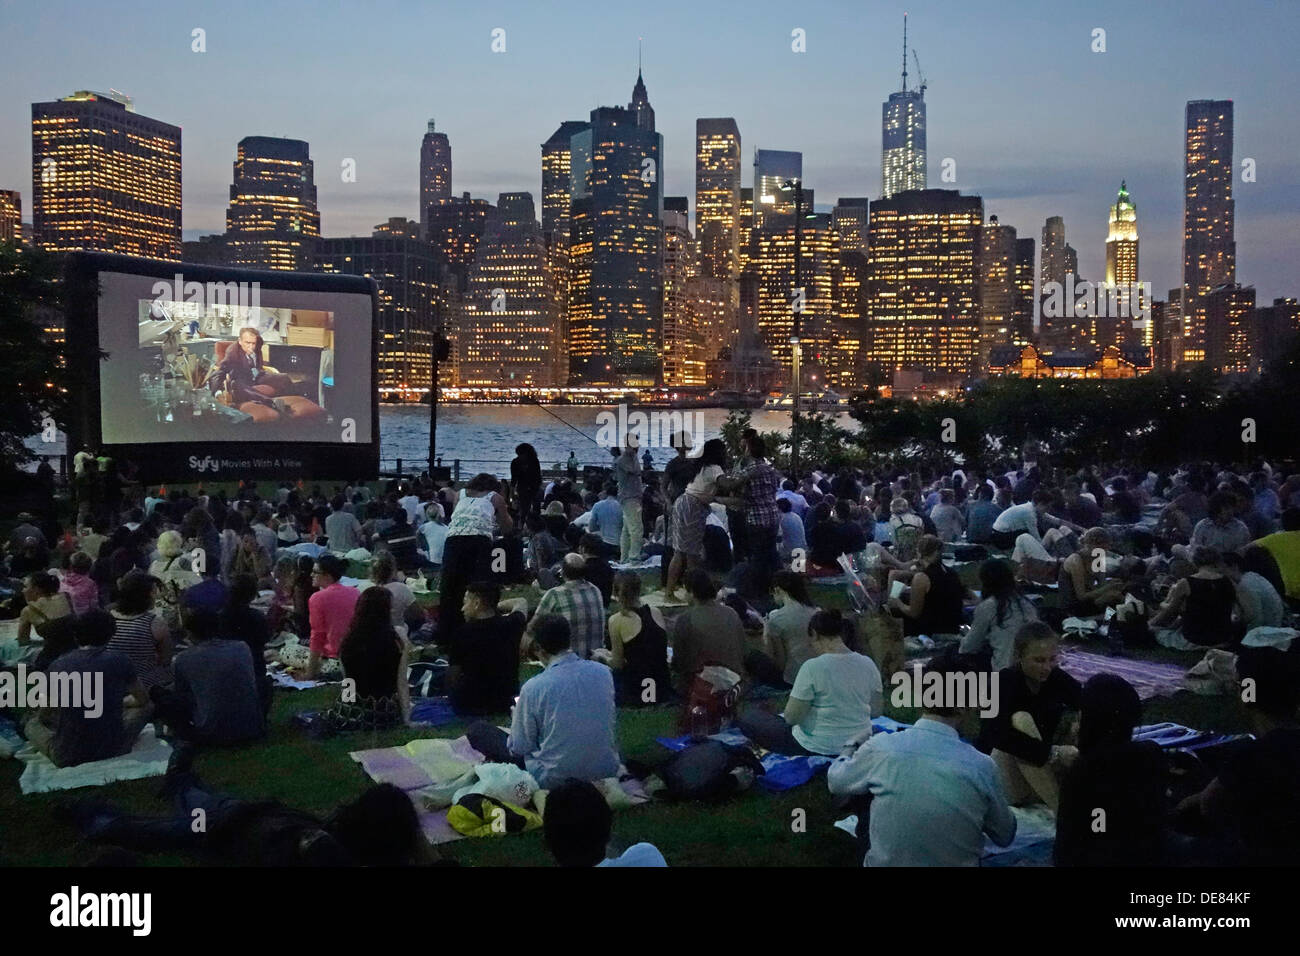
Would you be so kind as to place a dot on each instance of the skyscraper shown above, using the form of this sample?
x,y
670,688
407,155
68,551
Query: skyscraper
x,y
615,259
717,196
105,178
849,217
1229,328
683,341
11,216
1122,241
404,269
1209,246
557,180
997,293
924,248
774,262
1058,327
1276,329
272,222
772,167
435,173
902,136
1024,307
455,227
509,329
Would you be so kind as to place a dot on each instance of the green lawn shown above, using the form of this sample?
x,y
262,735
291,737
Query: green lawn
x,y
754,829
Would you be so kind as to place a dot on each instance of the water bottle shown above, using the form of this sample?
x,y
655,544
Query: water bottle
x,y
699,722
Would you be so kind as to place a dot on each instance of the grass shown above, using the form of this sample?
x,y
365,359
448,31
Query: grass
x,y
754,829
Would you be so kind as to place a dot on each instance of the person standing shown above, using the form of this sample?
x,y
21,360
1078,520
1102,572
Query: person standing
x,y
758,482
526,479
677,475
479,514
627,472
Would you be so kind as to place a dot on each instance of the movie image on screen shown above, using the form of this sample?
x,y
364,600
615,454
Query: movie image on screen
x,y
232,362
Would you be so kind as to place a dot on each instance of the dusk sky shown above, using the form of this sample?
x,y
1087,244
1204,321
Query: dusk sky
x,y
1037,123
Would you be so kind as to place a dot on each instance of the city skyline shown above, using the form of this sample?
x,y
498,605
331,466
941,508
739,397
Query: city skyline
x,y
760,82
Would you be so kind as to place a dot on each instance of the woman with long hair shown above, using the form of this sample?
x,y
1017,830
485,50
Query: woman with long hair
x,y
375,658
480,515
691,511
1001,613
638,646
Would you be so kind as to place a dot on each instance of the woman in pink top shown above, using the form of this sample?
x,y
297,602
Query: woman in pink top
x,y
329,611
78,585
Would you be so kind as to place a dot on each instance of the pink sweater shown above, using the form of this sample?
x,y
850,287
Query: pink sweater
x,y
330,613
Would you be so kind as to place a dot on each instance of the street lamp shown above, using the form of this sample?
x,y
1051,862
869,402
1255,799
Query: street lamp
x,y
797,303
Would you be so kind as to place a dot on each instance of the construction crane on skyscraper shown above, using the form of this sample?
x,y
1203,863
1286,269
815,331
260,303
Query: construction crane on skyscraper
x,y
921,76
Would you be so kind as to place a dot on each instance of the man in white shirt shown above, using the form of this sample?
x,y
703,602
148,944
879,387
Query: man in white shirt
x,y
934,796
1024,519
410,503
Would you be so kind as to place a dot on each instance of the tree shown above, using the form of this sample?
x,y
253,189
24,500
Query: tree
x,y
31,366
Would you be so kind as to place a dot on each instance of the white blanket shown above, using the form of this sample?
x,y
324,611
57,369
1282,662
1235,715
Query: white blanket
x,y
147,759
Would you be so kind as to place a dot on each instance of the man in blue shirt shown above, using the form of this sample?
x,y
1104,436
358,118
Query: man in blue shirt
x,y
980,515
607,520
934,796
564,721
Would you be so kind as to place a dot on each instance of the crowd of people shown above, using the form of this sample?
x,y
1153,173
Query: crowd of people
x,y
181,600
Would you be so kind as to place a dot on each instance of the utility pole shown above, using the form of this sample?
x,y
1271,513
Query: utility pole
x,y
795,347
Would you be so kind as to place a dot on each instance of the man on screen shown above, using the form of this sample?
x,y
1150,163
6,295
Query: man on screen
x,y
242,368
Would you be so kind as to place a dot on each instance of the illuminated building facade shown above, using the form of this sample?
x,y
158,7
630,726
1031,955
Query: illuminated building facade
x,y
1122,273
557,179
773,264
509,333
997,293
455,227
435,173
1229,328
1024,302
615,249
1111,362
683,340
717,196
272,221
902,143
105,178
11,216
924,248
772,167
1209,246
1058,261
1276,328
406,273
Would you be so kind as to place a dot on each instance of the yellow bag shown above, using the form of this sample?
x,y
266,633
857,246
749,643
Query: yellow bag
x,y
478,815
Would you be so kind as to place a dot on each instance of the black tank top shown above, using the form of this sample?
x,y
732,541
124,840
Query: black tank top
x,y
646,655
1207,615
942,611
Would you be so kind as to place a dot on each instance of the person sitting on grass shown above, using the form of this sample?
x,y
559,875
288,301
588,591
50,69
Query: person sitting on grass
x,y
1123,778
483,658
1033,696
577,826
1258,602
75,735
1197,611
564,725
329,611
215,698
934,604
598,570
933,798
1001,613
638,644
836,693
379,828
45,603
707,632
383,573
1253,804
579,602
376,694
785,633
1084,590
77,583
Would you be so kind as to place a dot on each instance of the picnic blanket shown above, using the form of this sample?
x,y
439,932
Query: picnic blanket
x,y
281,678
432,712
1149,678
432,770
148,758
654,561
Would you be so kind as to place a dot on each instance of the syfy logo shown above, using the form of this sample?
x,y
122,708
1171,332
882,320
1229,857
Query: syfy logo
x,y
618,429
246,295
204,464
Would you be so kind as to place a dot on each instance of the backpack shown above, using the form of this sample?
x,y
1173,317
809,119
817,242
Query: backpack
x,y
709,770
906,535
